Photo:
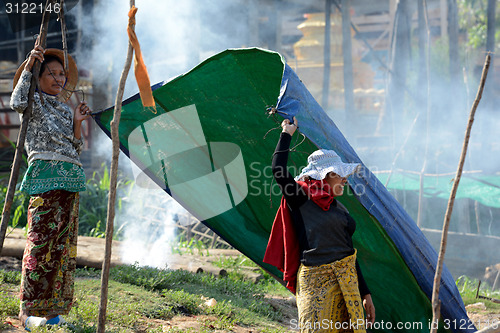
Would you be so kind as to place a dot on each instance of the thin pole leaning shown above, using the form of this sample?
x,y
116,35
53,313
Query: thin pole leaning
x,y
63,32
112,187
326,56
21,138
451,201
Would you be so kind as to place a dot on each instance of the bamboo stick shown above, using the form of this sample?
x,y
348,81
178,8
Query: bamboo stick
x,y
63,32
424,74
112,187
326,56
21,138
349,107
451,201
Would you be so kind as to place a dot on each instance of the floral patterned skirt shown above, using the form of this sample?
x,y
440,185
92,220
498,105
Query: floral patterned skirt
x,y
328,298
49,260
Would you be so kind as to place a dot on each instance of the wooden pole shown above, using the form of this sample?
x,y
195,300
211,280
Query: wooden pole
x,y
424,79
326,55
63,32
490,26
347,68
451,201
21,138
400,57
112,187
453,50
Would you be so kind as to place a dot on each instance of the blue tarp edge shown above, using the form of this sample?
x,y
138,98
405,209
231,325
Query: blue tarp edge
x,y
417,252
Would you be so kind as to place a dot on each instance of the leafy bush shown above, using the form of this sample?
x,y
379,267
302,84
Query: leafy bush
x,y
468,290
94,202
19,208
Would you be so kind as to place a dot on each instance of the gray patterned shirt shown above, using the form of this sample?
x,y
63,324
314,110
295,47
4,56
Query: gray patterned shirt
x,y
50,133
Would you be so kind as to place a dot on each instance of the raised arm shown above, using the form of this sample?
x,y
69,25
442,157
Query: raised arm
x,y
292,191
19,97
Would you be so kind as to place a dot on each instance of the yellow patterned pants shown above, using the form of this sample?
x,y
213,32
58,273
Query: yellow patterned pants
x,y
328,298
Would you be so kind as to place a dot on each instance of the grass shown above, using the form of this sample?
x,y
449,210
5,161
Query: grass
x,y
142,299
468,290
237,298
236,265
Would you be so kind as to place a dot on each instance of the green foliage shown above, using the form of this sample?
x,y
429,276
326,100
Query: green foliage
x,y
138,294
182,302
231,292
19,208
223,321
189,246
88,272
9,306
146,277
94,202
473,18
468,289
235,266
12,277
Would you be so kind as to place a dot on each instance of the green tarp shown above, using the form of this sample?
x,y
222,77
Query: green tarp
x,y
208,146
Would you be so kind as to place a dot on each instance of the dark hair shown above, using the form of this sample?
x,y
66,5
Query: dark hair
x,y
49,59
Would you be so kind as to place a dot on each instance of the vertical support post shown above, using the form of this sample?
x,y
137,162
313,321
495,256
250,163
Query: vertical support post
x,y
490,27
112,186
21,138
444,18
326,55
420,199
476,211
453,53
400,56
449,209
422,54
348,70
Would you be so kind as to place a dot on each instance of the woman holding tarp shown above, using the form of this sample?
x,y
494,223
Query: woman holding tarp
x,y
311,242
53,180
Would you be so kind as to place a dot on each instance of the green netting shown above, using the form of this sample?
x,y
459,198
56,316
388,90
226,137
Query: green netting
x,y
481,188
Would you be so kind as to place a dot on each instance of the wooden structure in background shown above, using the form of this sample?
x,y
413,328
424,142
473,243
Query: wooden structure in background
x,y
186,227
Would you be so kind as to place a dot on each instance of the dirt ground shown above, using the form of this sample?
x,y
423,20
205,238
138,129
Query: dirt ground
x,y
477,312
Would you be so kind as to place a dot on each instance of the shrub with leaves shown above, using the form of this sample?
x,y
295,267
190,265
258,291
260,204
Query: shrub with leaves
x,y
94,202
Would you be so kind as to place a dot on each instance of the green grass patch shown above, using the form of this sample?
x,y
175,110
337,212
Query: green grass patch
x,y
140,298
468,290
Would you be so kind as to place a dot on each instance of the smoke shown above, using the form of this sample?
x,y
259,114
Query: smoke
x,y
147,224
174,36
177,35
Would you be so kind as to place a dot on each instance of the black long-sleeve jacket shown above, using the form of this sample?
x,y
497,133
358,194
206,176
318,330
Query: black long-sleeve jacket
x,y
324,236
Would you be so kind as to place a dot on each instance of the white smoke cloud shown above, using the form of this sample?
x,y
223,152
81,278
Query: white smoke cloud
x,y
174,36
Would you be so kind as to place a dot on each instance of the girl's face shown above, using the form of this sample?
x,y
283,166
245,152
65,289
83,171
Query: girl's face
x,y
53,78
336,182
